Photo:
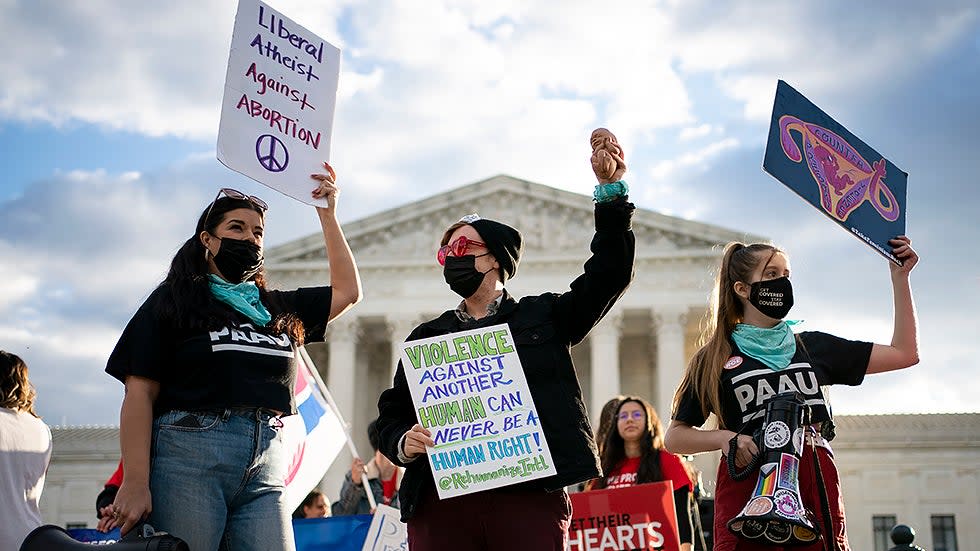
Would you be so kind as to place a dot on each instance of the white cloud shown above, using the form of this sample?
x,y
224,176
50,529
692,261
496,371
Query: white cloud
x,y
825,49
437,94
17,285
663,170
694,132
158,69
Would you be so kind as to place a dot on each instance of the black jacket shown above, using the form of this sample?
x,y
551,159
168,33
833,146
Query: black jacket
x,y
545,327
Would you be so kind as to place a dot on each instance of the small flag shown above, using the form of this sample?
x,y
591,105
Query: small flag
x,y
314,437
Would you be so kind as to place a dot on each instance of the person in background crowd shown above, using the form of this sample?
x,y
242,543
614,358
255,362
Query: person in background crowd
x,y
25,450
209,363
633,453
607,420
383,476
607,417
315,505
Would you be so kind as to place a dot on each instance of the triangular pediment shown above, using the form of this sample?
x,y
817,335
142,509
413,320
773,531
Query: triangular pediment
x,y
555,224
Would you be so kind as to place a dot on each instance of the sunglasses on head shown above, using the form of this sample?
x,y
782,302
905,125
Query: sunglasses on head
x,y
235,194
457,248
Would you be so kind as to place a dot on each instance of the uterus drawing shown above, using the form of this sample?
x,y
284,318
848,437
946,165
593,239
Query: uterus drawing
x,y
844,178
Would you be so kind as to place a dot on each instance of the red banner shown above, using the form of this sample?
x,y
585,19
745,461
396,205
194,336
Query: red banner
x,y
624,519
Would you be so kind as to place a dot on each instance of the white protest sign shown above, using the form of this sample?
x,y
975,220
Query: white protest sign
x,y
469,389
278,106
387,532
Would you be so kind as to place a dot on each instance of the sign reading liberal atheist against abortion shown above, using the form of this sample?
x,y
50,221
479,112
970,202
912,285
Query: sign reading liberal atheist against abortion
x,y
469,389
278,107
836,172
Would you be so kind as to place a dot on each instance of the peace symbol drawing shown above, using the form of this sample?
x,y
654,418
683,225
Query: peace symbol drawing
x,y
271,153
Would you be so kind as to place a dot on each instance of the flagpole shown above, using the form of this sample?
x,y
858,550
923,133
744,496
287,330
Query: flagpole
x,y
325,392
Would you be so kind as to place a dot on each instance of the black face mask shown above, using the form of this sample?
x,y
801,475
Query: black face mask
x,y
772,297
238,259
462,276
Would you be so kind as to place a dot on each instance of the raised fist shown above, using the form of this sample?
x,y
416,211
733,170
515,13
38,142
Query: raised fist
x,y
607,156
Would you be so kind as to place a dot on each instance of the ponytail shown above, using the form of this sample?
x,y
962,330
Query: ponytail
x,y
703,375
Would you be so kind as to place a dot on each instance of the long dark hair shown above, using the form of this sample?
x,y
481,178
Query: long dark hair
x,y
614,447
607,420
16,391
187,302
308,502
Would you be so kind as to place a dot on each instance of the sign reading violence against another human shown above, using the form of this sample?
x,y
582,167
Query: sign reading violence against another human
x,y
278,107
469,389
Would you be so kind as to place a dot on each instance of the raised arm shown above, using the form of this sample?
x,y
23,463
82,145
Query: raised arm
x,y
904,348
609,271
345,280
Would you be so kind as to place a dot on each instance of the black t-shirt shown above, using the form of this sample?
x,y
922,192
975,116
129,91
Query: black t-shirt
x,y
238,366
746,383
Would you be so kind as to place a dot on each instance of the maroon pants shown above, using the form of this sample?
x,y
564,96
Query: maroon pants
x,y
514,520
731,497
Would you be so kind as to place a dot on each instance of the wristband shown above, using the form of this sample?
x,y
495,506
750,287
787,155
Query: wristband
x,y
607,192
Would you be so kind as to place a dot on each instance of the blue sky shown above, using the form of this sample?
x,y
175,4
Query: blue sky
x,y
108,126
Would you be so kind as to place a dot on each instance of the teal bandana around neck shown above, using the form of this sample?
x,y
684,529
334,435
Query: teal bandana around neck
x,y
243,297
774,347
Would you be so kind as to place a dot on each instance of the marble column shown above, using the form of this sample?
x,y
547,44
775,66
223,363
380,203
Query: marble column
x,y
399,328
670,325
604,349
342,336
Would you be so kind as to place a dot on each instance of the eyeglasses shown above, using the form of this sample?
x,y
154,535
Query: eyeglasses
x,y
457,248
235,194
626,415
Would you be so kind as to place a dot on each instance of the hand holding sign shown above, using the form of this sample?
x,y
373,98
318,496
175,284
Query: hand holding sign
x,y
356,470
416,441
902,249
327,187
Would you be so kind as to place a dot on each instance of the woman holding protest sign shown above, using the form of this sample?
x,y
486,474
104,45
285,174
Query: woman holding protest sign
x,y
479,256
633,453
209,364
750,352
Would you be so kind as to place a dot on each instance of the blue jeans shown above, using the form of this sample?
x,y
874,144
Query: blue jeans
x,y
217,480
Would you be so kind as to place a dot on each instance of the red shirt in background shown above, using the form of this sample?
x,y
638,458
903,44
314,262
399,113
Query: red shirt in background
x,y
624,474
389,487
116,478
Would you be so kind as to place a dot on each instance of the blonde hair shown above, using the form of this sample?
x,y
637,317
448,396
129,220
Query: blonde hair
x,y
16,391
703,375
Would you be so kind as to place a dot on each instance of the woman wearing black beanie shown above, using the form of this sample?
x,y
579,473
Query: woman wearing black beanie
x,y
479,256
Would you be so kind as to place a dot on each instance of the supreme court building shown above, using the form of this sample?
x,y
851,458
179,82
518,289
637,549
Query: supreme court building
x,y
641,346
914,469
